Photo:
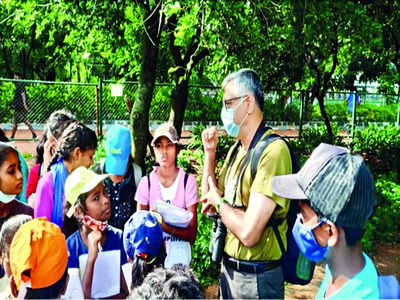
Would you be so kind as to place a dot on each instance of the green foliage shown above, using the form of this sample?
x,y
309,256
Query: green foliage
x,y
313,136
380,147
100,152
365,113
206,270
275,111
384,225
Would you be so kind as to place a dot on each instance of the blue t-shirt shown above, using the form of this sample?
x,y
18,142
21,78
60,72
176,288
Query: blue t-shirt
x,y
76,247
363,285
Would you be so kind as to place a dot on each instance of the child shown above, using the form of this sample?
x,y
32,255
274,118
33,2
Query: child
x,y
10,187
75,148
143,244
7,233
84,191
10,184
171,184
337,196
38,261
45,149
124,175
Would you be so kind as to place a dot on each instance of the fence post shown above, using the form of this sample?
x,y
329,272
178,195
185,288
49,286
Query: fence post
x,y
353,121
398,112
100,85
301,114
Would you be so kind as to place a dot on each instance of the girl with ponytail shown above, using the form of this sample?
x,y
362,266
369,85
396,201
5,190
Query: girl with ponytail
x,y
75,148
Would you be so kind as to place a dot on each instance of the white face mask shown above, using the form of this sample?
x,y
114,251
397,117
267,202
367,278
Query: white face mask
x,y
4,198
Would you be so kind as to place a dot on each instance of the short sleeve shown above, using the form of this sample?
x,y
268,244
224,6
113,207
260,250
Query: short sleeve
x,y
274,161
72,246
191,193
142,192
124,259
44,197
33,178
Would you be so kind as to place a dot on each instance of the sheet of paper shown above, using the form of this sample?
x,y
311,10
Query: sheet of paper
x,y
178,253
127,270
106,270
117,90
74,287
174,215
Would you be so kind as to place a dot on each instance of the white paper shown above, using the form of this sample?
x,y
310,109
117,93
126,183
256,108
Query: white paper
x,y
74,287
127,270
178,253
116,90
106,273
174,215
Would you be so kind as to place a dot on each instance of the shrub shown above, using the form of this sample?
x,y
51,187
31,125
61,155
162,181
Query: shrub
x,y
380,147
313,136
384,225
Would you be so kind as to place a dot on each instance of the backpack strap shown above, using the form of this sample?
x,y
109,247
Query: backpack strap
x,y
185,180
148,183
258,151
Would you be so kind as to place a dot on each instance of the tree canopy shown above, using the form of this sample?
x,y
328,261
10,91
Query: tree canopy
x,y
293,45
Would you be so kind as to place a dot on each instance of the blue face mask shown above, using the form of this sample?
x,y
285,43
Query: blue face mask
x,y
227,115
306,241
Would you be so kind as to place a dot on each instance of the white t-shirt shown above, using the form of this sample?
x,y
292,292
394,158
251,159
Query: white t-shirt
x,y
168,193
178,251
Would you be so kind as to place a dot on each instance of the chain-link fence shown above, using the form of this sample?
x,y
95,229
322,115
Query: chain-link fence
x,y
108,101
42,98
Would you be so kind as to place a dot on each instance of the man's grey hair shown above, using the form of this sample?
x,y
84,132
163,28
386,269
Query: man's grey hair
x,y
246,81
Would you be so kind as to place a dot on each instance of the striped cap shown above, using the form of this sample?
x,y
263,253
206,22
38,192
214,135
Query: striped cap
x,y
337,183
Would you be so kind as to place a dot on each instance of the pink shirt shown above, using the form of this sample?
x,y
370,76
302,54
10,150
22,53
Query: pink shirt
x,y
184,198
44,196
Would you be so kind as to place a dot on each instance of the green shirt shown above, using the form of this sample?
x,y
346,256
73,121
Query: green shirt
x,y
275,160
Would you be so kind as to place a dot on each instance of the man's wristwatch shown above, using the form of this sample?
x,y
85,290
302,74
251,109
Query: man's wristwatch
x,y
219,202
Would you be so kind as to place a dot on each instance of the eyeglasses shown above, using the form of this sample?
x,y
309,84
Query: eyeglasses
x,y
228,102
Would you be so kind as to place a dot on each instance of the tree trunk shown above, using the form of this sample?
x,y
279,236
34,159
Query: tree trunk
x,y
179,100
139,118
325,118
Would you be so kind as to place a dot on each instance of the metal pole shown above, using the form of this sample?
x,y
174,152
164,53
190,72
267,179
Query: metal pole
x,y
100,108
353,121
398,112
301,114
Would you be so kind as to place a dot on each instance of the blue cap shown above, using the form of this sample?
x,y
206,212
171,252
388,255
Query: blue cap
x,y
118,149
142,235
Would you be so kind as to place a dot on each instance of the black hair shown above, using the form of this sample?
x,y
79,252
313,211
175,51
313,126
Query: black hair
x,y
55,121
40,148
353,235
3,137
51,292
8,230
179,282
141,267
75,135
56,124
5,149
82,205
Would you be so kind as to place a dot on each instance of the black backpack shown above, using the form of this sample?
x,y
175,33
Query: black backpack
x,y
297,269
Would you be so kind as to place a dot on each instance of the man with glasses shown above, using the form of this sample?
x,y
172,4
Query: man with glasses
x,y
337,196
251,259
